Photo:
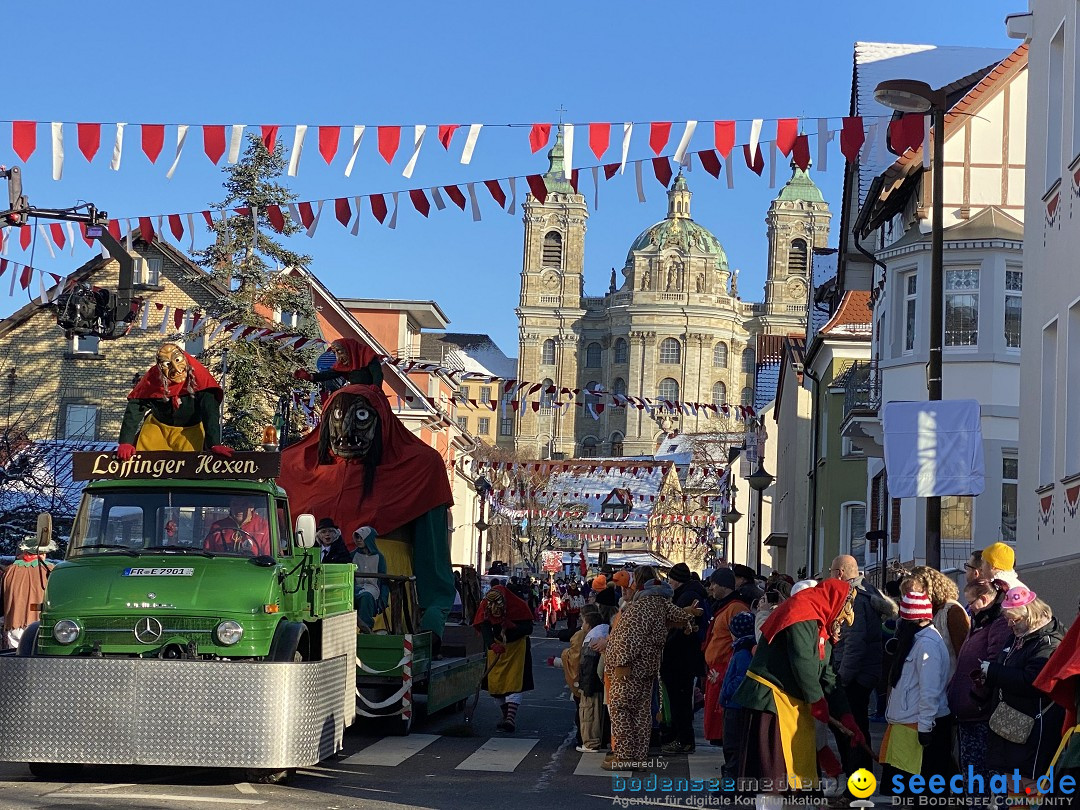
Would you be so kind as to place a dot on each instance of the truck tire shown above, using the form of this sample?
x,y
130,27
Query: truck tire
x,y
54,771
290,643
28,643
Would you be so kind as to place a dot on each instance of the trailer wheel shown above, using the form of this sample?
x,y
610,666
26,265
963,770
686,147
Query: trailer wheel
x,y
54,771
268,776
28,642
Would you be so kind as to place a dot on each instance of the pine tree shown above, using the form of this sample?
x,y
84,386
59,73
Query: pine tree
x,y
246,260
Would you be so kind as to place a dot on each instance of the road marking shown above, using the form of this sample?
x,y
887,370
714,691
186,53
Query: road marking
x,y
158,797
113,787
589,765
306,772
498,754
390,751
244,787
705,762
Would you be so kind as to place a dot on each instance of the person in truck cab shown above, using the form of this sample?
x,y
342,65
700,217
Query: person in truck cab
x,y
244,531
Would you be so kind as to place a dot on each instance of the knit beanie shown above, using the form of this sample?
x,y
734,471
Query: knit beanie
x,y
599,582
723,577
680,572
915,607
999,556
742,625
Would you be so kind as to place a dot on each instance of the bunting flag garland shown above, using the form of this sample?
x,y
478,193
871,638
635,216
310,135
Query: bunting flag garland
x,y
539,135
787,130
599,139
659,133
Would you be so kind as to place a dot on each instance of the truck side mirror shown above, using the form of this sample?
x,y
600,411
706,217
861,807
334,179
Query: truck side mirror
x,y
305,531
44,532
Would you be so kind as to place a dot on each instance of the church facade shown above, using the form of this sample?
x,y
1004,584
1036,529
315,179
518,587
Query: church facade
x,y
672,327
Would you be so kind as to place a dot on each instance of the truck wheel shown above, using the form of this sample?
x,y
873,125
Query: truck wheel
x,y
28,642
268,776
54,771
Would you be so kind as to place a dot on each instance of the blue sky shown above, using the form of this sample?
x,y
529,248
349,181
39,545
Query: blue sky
x,y
433,63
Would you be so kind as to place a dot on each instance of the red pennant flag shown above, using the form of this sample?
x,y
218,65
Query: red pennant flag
x,y
420,201
389,140
275,217
213,137
800,153
114,229
328,142
709,162
85,238
24,236
852,137
906,132
724,136
153,140
456,195
574,180
176,226
662,169
537,187
496,192
610,170
3,266
659,132
446,134
58,234
539,135
209,220
269,136
599,139
307,215
24,278
378,206
178,317
787,130
756,164
89,136
146,229
343,211
24,138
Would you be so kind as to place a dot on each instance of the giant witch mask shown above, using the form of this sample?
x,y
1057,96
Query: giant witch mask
x,y
350,430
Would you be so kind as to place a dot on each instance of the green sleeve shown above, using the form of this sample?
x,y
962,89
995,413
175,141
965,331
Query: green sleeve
x,y
210,416
323,376
133,419
802,649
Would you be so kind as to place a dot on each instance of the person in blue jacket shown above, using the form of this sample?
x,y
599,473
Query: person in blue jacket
x,y
742,631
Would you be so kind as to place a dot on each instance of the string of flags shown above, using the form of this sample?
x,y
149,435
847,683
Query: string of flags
x,y
638,469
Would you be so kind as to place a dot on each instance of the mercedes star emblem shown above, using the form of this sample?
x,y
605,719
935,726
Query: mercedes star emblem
x,y
151,595
148,630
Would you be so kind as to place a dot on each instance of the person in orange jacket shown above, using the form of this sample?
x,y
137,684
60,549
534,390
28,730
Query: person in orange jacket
x,y
718,648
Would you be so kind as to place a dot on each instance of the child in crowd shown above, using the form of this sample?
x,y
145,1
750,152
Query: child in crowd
x,y
589,682
742,631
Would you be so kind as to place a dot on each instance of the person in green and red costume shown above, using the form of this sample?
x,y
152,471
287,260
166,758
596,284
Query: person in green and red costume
x,y
355,364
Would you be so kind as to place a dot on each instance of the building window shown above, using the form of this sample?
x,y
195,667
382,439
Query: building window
x,y
619,387
506,426
749,361
592,355
849,449
668,389
616,444
719,394
463,395
1010,475
463,424
961,307
720,355
85,344
80,422
483,425
485,394
588,448
547,394
1014,306
853,523
747,398
553,250
911,306
148,271
620,351
670,351
796,258
547,353
289,318
1055,106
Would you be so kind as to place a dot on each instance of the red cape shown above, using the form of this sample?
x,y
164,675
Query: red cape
x,y
150,385
1058,676
822,604
516,608
410,480
359,354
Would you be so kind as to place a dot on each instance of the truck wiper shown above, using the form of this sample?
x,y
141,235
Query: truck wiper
x,y
181,549
126,549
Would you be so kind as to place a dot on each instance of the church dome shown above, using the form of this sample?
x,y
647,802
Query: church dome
x,y
678,230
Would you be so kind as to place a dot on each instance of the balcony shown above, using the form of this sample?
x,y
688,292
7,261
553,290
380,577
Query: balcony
x,y
861,382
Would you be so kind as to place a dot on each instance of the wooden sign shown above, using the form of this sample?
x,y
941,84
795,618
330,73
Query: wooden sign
x,y
162,466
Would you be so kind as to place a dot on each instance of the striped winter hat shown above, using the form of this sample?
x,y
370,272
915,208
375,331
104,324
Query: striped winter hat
x,y
915,607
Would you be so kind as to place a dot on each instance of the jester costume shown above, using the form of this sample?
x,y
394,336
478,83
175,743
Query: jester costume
x,y
363,467
505,623
23,587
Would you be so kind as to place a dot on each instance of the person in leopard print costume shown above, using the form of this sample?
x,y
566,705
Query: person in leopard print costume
x,y
632,657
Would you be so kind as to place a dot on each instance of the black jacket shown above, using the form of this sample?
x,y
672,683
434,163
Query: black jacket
x,y
682,651
1010,679
857,655
337,552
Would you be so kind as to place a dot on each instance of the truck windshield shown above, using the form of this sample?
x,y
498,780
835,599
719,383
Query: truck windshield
x,y
189,521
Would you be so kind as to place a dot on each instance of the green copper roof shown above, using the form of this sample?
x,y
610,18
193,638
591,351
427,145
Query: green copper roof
x,y
554,177
800,187
678,230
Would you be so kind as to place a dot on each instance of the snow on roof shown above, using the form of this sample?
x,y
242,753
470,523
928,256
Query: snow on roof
x,y
475,352
937,65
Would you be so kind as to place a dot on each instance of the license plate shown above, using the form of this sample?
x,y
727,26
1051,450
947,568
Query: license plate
x,y
159,572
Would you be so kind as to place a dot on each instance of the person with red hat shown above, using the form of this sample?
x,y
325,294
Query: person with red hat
x,y
1059,679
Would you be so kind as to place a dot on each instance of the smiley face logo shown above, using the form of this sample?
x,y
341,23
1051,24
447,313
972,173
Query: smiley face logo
x,y
862,783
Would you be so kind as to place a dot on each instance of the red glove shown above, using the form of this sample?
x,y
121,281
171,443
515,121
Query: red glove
x,y
848,722
125,451
222,450
302,374
498,648
820,710
828,762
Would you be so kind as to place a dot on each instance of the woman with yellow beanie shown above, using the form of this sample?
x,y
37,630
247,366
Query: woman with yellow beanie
x,y
998,562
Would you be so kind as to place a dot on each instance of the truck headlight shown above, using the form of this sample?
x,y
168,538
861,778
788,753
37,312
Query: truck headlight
x,y
66,631
229,632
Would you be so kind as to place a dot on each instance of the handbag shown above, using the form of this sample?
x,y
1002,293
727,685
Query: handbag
x,y
1012,724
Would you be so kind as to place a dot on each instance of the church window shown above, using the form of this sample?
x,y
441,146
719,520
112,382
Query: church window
x,y
749,363
547,353
616,444
592,355
719,394
591,397
547,394
620,351
668,389
619,387
719,355
796,258
747,397
588,448
670,351
553,250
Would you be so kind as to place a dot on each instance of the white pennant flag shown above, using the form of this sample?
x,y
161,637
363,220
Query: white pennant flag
x,y
470,143
48,242
393,216
640,185
755,135
57,150
217,331
513,194
297,148
869,144
181,136
824,137
41,286
294,213
729,173
436,197
627,131
596,188
568,151
165,321
684,143
418,139
927,122
127,236
356,222
14,276
236,139
472,201
191,231
118,148
357,136
315,221
145,321
71,236
772,163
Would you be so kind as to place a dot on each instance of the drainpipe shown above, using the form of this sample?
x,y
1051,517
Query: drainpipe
x,y
815,438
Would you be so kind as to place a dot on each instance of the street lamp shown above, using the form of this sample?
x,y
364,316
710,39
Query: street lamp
x,y
909,96
483,489
759,481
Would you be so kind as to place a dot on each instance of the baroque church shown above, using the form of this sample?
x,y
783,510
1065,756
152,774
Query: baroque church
x,y
673,327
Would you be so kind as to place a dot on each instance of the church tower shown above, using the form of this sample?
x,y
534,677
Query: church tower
x,y
550,311
798,221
